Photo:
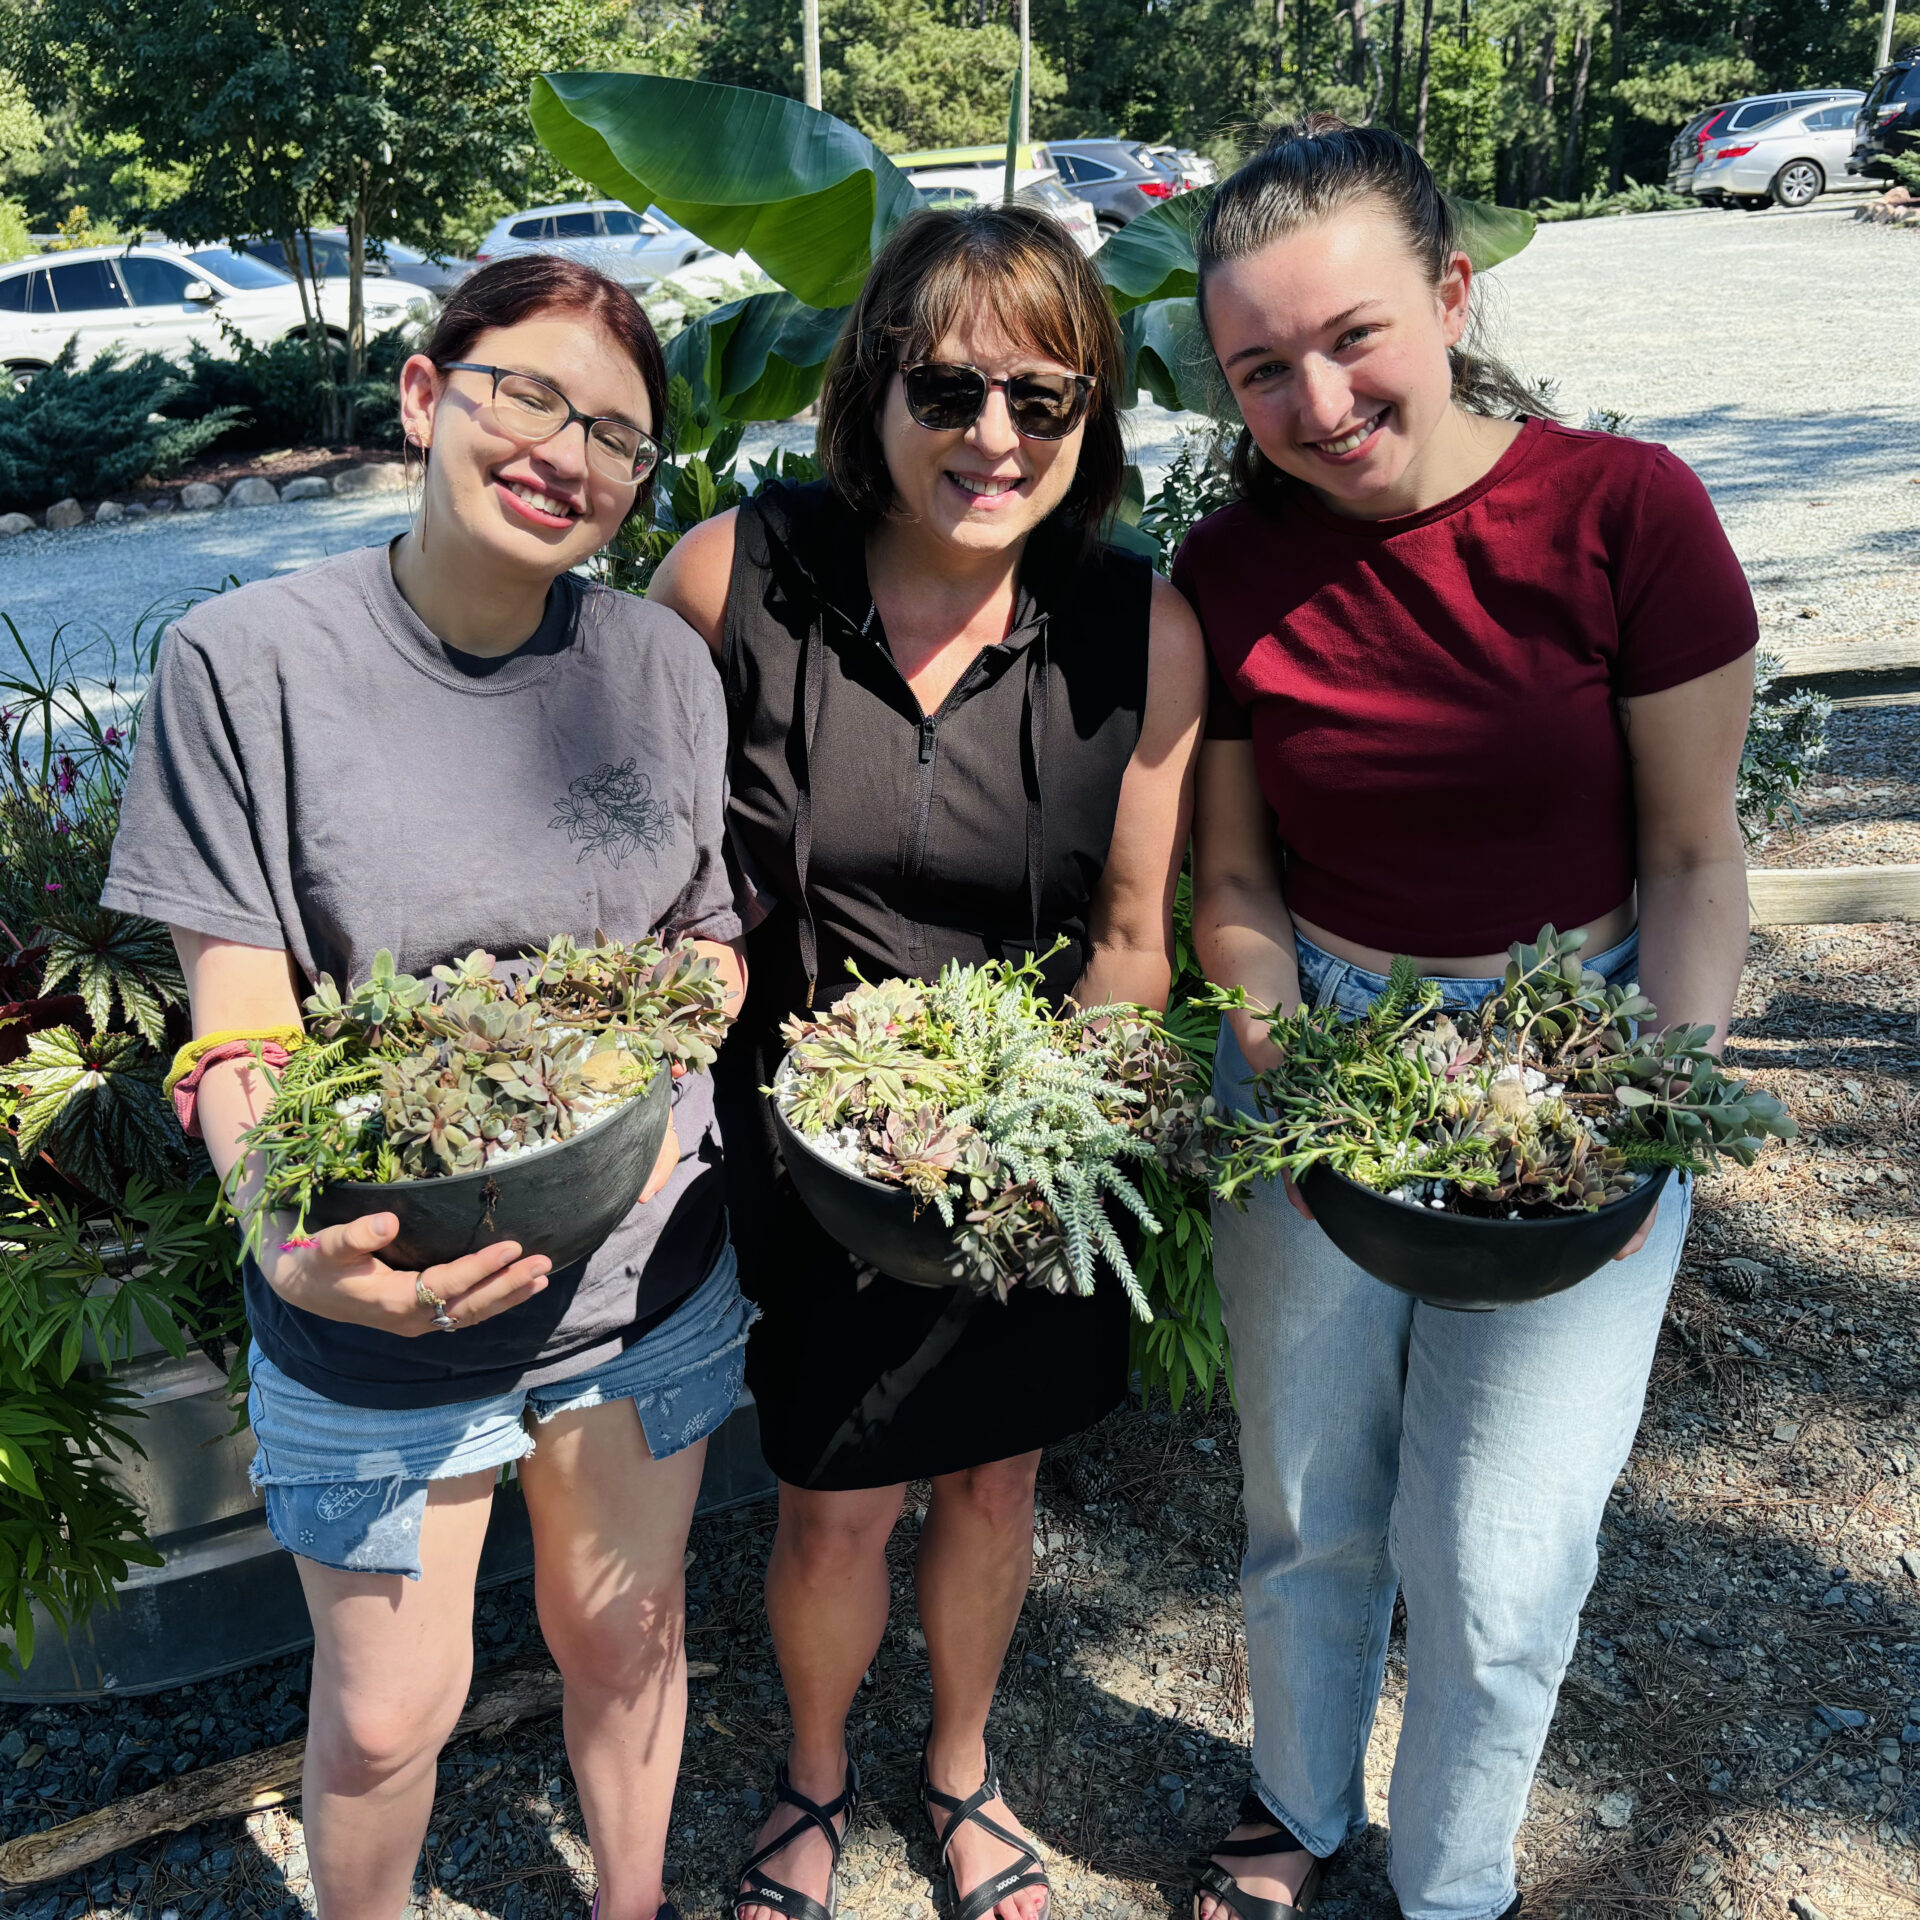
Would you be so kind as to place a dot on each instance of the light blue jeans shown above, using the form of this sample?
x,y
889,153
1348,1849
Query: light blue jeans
x,y
1463,1458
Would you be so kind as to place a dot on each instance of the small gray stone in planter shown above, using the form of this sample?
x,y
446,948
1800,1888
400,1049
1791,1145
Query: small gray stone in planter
x,y
12,523
133,508
386,476
253,492
198,495
1615,1810
310,486
109,510
63,514
161,503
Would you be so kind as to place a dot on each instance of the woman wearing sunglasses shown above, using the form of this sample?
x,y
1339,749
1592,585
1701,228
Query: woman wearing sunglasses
x,y
440,745
962,728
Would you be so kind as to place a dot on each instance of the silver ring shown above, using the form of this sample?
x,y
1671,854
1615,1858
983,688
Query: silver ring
x,y
444,1322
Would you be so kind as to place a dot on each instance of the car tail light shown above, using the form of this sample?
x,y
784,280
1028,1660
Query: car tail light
x,y
1732,153
1893,112
481,259
1155,189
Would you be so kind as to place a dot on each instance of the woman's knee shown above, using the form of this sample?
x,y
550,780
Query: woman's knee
x,y
627,1644
365,1736
828,1533
998,1495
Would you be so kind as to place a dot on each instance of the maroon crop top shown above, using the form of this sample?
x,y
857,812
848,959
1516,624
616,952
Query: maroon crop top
x,y
1431,698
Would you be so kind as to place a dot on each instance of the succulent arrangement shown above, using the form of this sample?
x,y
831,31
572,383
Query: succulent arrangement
x,y
409,1079
1555,1097
1014,1123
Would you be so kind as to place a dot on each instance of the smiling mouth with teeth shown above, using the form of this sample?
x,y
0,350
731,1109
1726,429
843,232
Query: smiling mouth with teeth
x,y
541,502
1348,441
979,488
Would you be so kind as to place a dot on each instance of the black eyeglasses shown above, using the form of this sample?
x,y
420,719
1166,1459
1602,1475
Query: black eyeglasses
x,y
945,397
530,411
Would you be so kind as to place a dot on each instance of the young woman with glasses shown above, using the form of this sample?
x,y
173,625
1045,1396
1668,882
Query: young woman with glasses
x,y
962,728
449,743
1476,671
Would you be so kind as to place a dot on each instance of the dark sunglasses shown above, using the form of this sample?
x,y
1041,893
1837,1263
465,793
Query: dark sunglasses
x,y
530,411
947,398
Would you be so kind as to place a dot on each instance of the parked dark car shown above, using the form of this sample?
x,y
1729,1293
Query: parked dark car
x,y
1119,179
392,261
1889,118
1718,124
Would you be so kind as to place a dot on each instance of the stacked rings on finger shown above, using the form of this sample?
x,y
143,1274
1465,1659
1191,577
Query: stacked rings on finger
x,y
443,1321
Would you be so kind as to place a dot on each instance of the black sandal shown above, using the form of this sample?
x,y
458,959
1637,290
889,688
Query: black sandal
x,y
1209,1877
756,1890
1027,1871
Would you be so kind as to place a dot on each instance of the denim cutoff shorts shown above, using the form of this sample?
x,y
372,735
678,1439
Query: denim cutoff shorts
x,y
1328,981
347,1486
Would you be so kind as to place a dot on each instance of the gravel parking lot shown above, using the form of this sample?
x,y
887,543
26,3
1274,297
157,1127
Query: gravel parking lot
x,y
1740,1732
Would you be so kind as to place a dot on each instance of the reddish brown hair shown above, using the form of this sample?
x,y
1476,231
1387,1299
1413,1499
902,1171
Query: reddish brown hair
x,y
1021,266
522,285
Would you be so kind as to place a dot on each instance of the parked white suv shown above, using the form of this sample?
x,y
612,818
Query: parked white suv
x,y
633,248
161,300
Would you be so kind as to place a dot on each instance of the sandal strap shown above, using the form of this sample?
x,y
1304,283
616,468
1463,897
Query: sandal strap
x,y
1027,1871
988,1895
1209,1877
757,1888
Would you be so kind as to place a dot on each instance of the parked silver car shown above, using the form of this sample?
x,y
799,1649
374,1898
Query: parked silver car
x,y
1787,160
633,248
1717,126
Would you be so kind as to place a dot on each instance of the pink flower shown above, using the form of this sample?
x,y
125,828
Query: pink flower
x,y
52,886
113,736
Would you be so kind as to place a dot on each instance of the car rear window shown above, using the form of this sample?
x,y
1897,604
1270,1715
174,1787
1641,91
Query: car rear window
x,y
532,229
85,286
26,293
238,269
1755,113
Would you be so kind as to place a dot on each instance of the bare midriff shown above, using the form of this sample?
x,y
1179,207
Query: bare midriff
x,y
1608,931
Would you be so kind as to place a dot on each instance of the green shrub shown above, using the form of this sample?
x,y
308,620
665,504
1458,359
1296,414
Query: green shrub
x,y
91,430
1632,198
16,242
272,395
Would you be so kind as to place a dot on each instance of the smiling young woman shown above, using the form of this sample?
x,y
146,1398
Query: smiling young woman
x,y
963,728
1474,672
440,745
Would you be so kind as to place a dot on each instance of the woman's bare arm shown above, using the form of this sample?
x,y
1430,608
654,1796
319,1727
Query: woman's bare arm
x,y
692,580
1132,918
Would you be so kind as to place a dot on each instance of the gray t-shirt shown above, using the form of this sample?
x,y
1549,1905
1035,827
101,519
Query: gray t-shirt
x,y
316,771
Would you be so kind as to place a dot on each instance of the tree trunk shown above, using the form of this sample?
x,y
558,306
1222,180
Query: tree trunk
x,y
1570,168
1279,41
1357,63
1463,24
1420,85
356,309
1616,120
1303,66
1399,46
1539,148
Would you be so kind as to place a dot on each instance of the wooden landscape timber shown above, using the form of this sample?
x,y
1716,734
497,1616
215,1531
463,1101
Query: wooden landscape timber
x,y
1821,896
1853,672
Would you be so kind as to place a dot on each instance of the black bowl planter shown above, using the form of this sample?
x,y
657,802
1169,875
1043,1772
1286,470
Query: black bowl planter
x,y
561,1200
876,1223
1454,1260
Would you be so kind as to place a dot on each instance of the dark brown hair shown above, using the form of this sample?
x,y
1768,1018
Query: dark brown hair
x,y
1017,264
1309,171
505,292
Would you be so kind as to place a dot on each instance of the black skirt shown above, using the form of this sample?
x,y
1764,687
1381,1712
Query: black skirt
x,y
869,1385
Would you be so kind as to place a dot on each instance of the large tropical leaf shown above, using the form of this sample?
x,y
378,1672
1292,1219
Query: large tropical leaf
x,y
113,956
1152,258
761,358
1167,354
808,197
95,1108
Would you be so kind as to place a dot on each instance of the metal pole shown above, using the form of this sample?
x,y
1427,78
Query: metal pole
x,y
1886,34
810,32
1026,68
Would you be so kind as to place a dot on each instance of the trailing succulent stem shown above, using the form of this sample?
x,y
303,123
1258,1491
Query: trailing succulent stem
x,y
1022,1128
1551,1098
408,1079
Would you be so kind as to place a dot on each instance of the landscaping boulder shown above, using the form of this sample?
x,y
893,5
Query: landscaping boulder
x,y
198,495
109,510
253,492
161,503
63,514
12,523
385,476
310,486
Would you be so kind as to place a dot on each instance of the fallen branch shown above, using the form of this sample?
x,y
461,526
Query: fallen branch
x,y
245,1785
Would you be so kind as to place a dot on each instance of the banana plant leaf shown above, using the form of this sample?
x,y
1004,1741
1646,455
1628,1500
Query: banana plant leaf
x,y
1167,353
761,358
808,197
1152,258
